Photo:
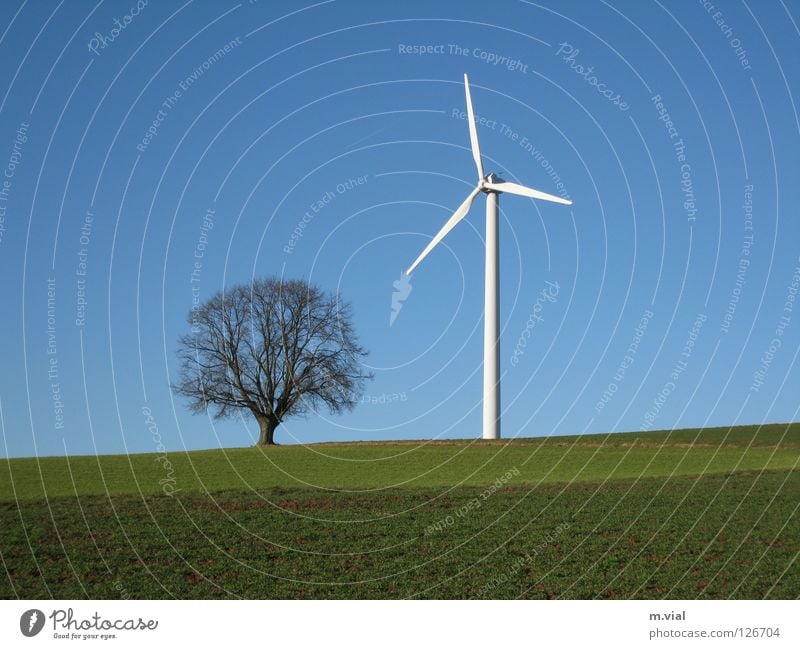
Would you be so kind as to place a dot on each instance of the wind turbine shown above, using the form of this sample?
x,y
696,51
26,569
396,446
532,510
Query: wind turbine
x,y
491,185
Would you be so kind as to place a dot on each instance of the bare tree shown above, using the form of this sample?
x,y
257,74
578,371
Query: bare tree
x,y
277,348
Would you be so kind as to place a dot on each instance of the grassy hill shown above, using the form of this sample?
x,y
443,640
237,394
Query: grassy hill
x,y
386,465
680,514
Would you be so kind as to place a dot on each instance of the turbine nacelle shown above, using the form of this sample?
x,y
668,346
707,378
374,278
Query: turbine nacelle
x,y
490,179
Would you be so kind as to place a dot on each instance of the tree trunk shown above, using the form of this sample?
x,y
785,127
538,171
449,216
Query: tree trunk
x,y
267,425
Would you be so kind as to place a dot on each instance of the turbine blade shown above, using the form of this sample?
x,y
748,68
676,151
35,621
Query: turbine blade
x,y
459,214
521,190
473,131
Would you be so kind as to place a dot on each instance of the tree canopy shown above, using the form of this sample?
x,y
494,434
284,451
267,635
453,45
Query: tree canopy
x,y
275,347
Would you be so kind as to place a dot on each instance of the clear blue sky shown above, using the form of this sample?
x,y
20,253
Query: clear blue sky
x,y
260,110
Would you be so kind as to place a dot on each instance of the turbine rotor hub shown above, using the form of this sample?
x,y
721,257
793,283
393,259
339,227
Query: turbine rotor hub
x,y
489,178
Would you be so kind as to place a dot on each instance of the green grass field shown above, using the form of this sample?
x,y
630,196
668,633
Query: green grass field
x,y
683,514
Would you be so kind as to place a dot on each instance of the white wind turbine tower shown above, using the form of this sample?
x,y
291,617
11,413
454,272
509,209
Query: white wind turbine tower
x,y
491,185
